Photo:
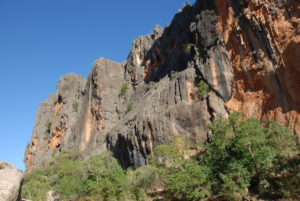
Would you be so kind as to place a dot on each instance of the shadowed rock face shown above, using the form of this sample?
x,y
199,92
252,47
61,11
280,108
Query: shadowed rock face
x,y
247,51
10,182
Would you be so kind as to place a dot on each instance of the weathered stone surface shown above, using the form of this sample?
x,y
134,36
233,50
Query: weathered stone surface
x,y
10,182
54,120
263,48
247,51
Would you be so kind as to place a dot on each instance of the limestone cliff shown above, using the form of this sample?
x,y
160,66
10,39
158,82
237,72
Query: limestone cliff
x,y
247,51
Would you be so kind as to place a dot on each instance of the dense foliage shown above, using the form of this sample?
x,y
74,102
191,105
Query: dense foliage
x,y
241,159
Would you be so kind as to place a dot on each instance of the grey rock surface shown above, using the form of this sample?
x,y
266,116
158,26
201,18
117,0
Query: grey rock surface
x,y
162,71
160,96
10,182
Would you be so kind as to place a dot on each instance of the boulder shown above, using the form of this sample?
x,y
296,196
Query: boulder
x,y
10,182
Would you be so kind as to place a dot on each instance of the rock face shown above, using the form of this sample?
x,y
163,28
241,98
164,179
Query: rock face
x,y
246,51
10,182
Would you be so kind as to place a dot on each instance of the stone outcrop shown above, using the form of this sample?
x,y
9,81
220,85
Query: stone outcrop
x,y
263,40
10,182
246,51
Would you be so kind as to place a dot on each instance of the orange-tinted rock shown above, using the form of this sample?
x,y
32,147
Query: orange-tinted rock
x,y
246,51
263,43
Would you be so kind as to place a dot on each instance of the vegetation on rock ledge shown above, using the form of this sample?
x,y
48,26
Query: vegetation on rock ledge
x,y
242,159
203,88
48,127
124,88
75,106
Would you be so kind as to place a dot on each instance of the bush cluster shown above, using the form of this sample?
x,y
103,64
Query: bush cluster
x,y
241,158
98,178
203,88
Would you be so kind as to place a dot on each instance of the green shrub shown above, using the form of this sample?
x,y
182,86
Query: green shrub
x,y
48,127
1,166
64,175
124,88
171,154
69,179
75,106
191,182
143,180
203,88
129,107
36,185
106,177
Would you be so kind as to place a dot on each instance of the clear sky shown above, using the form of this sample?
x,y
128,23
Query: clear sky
x,y
41,40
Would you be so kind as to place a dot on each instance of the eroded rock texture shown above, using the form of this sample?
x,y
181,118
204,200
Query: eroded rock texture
x,y
10,182
247,51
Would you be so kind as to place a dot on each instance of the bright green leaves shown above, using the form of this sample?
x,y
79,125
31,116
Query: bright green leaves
x,y
36,186
242,157
245,154
105,176
203,88
189,183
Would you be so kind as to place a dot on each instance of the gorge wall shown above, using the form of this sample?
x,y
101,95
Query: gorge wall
x,y
246,51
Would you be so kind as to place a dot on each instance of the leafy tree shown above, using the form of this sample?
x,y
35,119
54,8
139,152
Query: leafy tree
x,y
171,154
245,154
241,156
35,186
184,177
189,183
106,176
144,180
69,180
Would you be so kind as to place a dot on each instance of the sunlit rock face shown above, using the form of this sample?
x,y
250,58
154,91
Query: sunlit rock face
x,y
247,51
10,182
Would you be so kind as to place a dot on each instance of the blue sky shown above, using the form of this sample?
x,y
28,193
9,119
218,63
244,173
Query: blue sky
x,y
41,40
